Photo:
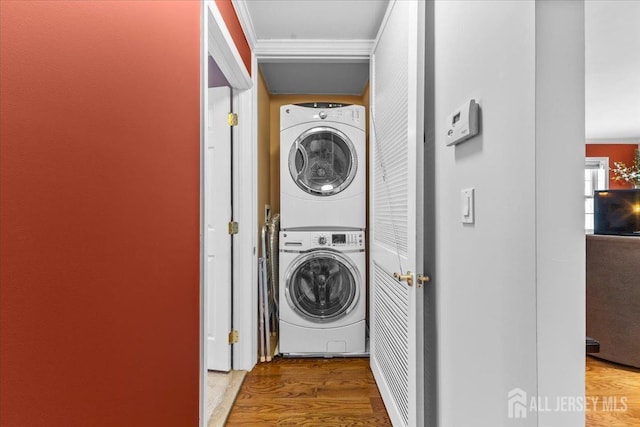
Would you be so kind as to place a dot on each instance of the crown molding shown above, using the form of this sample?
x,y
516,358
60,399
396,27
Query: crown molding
x,y
299,48
632,140
312,48
246,23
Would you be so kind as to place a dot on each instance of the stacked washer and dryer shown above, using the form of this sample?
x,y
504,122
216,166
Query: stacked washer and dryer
x,y
322,221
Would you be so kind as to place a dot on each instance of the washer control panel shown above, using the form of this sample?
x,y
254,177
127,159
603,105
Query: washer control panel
x,y
301,241
350,239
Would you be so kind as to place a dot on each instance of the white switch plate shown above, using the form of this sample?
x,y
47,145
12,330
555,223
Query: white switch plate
x,y
468,206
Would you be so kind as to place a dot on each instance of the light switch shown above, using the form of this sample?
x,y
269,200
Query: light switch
x,y
467,206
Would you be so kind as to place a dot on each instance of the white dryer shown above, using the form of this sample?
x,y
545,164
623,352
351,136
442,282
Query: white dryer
x,y
322,292
322,167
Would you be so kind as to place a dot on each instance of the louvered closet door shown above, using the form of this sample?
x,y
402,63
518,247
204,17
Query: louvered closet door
x,y
396,193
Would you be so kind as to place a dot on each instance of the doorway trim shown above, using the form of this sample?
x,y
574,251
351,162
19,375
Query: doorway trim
x,y
222,48
216,41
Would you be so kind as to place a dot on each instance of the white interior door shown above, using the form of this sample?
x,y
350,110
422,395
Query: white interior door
x,y
397,104
217,240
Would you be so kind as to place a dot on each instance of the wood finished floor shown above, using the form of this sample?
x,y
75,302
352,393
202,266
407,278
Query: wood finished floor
x,y
605,379
342,392
310,392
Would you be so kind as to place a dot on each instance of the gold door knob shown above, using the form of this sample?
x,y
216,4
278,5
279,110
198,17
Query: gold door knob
x,y
404,277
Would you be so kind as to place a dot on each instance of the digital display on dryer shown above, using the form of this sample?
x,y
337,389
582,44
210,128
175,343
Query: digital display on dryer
x,y
339,239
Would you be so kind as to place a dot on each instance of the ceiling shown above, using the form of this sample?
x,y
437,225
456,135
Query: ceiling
x,y
316,78
612,54
307,19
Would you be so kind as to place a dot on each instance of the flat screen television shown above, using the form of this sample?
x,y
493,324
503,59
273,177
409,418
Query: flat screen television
x,y
617,212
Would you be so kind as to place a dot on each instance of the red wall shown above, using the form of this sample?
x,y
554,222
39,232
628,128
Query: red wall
x,y
99,213
616,153
235,29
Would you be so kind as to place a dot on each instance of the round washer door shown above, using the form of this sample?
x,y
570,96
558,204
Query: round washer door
x,y
323,161
322,286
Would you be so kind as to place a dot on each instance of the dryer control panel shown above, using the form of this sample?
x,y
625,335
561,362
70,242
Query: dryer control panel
x,y
339,240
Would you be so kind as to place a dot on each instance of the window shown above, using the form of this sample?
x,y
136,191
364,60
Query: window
x,y
596,177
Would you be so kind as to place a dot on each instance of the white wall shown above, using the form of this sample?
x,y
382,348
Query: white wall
x,y
560,135
495,277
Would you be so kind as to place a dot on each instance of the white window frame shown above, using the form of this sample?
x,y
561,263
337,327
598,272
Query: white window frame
x,y
595,163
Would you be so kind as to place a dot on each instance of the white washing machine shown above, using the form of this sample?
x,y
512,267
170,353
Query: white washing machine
x,y
322,292
322,167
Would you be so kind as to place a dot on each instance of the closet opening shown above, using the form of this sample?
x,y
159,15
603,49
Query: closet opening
x,y
312,197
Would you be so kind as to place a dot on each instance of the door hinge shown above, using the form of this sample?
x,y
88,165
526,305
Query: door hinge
x,y
233,227
232,119
234,336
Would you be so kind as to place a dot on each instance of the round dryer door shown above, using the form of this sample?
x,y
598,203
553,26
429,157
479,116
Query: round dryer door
x,y
323,161
322,286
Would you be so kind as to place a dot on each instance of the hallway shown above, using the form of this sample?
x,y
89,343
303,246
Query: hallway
x,y
338,392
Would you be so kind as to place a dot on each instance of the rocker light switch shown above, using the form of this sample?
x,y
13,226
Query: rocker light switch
x,y
467,206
